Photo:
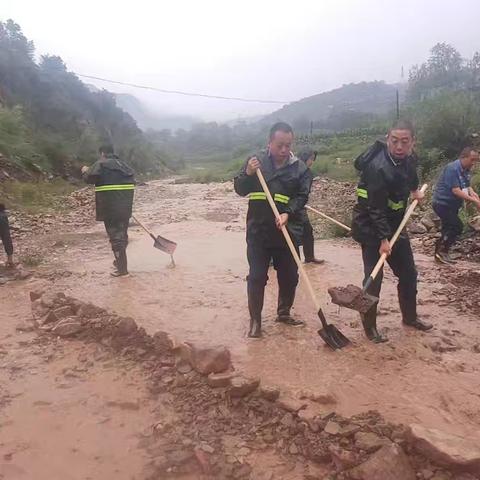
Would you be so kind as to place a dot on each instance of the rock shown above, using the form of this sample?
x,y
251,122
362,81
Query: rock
x,y
67,327
323,398
342,458
36,294
38,310
370,442
446,449
183,367
162,341
52,300
126,326
210,360
63,312
269,393
417,228
475,223
183,351
88,310
50,317
293,450
389,463
428,222
24,327
426,474
332,428
241,386
219,380
291,404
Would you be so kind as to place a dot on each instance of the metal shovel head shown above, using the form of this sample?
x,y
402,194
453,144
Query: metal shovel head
x,y
330,334
333,337
352,297
165,245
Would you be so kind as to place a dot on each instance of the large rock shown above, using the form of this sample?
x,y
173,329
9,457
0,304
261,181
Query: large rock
x,y
67,327
52,300
389,463
446,449
370,442
126,326
38,310
428,222
210,360
241,386
64,312
36,294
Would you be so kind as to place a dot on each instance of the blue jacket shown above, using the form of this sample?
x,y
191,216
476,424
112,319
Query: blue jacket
x,y
452,176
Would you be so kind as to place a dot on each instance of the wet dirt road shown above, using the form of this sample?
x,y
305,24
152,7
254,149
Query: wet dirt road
x,y
431,378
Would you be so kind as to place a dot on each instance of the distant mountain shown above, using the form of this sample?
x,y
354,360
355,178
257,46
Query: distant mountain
x,y
346,107
147,119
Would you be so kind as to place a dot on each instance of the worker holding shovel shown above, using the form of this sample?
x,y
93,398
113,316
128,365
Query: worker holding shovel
x,y
114,190
289,182
388,178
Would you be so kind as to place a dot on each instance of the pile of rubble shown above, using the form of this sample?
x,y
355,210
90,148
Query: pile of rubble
x,y
223,419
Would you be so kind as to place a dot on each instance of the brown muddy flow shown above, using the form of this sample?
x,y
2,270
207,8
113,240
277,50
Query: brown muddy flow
x,y
427,378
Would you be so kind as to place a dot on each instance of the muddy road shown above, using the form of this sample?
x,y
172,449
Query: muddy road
x,y
431,379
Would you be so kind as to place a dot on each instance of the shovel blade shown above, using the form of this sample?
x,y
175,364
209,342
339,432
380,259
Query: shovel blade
x,y
352,297
333,337
165,245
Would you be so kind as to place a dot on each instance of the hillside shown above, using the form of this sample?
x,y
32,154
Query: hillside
x,y
349,106
51,120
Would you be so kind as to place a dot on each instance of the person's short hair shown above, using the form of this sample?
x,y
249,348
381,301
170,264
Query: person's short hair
x,y
403,124
106,149
467,151
280,127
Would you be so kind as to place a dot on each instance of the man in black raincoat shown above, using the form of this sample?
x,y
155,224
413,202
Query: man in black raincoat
x,y
388,177
289,181
114,189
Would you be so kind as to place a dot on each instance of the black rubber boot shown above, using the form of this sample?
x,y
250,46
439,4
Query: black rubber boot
x,y
255,307
369,322
120,263
408,307
285,302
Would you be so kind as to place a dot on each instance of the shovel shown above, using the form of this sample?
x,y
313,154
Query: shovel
x,y
160,242
357,298
336,222
329,333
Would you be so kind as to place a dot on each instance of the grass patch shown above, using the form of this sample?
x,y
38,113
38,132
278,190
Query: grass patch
x,y
36,197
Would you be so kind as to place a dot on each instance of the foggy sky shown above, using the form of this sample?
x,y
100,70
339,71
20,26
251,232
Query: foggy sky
x,y
277,50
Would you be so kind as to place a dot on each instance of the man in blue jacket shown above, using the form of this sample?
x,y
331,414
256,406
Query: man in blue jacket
x,y
453,188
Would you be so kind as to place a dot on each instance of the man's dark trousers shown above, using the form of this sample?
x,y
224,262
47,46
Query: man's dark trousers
x,y
259,257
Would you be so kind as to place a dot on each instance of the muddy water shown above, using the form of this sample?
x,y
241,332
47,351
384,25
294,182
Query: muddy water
x,y
431,379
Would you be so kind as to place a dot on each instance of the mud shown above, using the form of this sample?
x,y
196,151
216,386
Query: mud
x,y
352,297
430,379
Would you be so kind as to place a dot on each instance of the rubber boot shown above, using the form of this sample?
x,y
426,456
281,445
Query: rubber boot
x,y
255,306
121,263
369,322
408,307
441,252
308,252
285,302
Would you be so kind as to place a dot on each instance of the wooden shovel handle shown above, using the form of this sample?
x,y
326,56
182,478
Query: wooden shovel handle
x,y
397,233
318,212
303,273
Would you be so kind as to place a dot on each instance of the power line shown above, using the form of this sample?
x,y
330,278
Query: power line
x,y
178,92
